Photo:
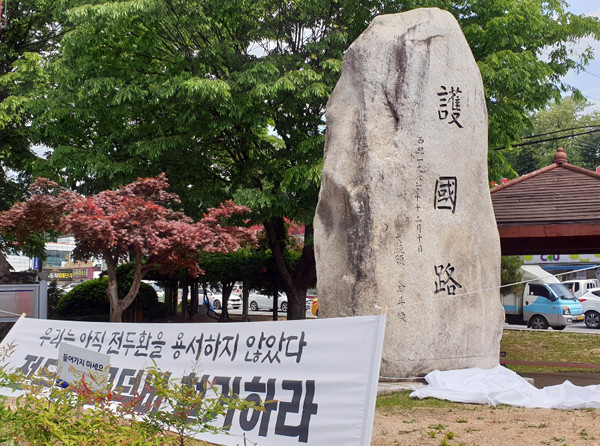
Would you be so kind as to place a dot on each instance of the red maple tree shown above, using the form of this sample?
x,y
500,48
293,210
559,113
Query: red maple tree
x,y
131,223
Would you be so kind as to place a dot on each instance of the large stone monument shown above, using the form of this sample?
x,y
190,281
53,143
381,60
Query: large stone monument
x,y
405,223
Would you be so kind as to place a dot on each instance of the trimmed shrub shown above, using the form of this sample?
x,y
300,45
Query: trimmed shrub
x,y
88,300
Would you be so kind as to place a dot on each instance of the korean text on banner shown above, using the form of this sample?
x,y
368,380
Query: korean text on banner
x,y
321,374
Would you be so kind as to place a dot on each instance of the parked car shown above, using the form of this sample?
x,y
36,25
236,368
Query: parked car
x,y
216,300
234,301
590,302
581,286
69,287
261,300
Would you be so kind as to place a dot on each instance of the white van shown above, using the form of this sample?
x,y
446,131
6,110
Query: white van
x,y
581,286
544,302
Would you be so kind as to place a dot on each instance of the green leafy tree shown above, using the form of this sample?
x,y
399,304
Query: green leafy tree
x,y
555,126
511,275
228,98
587,146
32,30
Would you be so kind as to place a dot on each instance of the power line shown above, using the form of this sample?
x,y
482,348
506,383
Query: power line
x,y
434,300
529,143
560,131
581,145
591,74
593,99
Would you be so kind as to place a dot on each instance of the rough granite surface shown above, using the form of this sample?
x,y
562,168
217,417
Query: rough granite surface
x,y
404,223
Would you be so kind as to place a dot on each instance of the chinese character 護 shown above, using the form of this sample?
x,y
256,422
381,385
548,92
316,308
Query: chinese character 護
x,y
445,193
449,105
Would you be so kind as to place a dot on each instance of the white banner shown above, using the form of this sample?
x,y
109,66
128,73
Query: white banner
x,y
321,373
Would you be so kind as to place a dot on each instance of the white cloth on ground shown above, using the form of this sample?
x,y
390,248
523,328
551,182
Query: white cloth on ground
x,y
503,386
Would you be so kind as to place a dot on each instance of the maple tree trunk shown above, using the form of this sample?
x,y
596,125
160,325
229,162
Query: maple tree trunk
x,y
118,306
112,291
116,313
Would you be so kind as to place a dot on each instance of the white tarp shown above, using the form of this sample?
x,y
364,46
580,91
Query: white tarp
x,y
322,373
503,386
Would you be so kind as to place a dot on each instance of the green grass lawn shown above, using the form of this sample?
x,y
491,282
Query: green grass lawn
x,y
390,402
520,345
550,346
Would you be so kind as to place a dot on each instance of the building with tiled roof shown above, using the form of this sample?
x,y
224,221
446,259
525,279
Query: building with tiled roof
x,y
555,209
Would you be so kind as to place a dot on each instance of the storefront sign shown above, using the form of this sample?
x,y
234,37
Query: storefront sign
x,y
561,258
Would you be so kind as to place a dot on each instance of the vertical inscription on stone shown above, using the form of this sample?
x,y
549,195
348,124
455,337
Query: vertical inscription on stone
x,y
420,171
399,258
404,220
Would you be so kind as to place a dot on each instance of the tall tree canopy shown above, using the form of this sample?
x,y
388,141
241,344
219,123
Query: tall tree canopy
x,y
32,29
561,124
229,97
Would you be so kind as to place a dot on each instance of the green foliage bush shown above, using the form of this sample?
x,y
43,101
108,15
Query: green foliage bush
x,y
88,301
46,414
88,298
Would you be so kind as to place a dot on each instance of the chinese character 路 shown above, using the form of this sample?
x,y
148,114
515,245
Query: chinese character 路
x,y
445,281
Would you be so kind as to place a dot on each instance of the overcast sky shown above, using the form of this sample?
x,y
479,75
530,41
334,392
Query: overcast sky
x,y
587,81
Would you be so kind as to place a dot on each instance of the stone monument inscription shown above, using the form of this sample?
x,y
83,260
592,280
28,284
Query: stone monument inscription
x,y
404,222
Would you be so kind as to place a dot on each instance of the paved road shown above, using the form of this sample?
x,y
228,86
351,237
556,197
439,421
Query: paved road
x,y
309,315
575,328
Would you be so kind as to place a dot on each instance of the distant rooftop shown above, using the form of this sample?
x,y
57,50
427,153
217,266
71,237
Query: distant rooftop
x,y
555,210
